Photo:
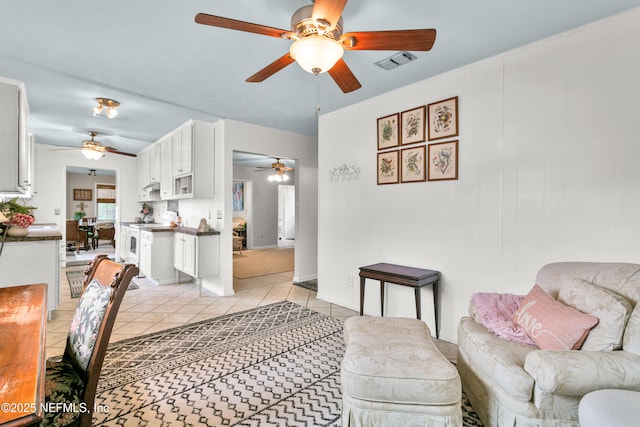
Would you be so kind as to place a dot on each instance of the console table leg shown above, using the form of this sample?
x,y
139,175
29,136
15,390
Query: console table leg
x,y
418,311
381,298
436,308
362,279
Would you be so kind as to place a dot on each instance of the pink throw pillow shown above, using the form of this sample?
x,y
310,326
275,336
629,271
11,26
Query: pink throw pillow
x,y
551,324
495,312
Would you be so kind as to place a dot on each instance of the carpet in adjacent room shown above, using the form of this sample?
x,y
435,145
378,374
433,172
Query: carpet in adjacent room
x,y
261,262
275,365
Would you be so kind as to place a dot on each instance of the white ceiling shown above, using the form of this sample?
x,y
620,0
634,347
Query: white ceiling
x,y
165,69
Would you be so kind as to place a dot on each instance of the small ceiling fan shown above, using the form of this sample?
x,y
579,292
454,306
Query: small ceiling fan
x,y
320,43
277,166
93,149
278,171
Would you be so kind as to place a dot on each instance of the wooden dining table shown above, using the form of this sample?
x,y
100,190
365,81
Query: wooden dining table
x,y
23,320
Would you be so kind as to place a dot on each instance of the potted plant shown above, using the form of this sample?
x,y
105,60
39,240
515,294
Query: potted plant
x,y
19,217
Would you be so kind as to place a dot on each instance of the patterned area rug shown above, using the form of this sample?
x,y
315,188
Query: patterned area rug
x,y
277,365
308,284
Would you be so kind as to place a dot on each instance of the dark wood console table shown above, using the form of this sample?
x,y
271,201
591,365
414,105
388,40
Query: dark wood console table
x,y
401,275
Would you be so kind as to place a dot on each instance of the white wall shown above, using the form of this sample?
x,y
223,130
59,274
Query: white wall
x,y
548,171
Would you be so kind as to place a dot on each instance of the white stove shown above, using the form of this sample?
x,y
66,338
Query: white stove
x,y
132,236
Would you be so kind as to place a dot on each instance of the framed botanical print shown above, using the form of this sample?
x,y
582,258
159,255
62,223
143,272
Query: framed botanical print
x,y
388,170
413,125
82,194
413,161
443,118
443,161
388,131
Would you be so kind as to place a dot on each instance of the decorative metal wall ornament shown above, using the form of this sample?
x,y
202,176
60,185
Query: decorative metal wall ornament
x,y
344,172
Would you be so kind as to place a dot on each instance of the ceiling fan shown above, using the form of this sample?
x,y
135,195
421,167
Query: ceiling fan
x,y
320,43
278,171
93,149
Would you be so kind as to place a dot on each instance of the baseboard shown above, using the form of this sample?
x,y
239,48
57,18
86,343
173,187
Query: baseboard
x,y
305,278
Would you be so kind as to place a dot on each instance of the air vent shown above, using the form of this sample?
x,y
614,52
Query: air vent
x,y
396,60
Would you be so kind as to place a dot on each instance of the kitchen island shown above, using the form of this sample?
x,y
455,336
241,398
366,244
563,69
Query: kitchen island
x,y
34,258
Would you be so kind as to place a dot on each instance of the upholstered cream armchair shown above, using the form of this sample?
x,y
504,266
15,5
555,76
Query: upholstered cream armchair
x,y
512,383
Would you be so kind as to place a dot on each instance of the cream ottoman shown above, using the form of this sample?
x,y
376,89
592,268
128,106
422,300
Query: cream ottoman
x,y
393,375
609,407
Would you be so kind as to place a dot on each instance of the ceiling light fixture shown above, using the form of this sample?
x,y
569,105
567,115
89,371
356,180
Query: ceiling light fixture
x,y
92,149
278,175
107,103
91,153
316,54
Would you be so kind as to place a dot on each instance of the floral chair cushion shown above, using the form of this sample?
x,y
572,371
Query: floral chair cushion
x,y
86,322
64,386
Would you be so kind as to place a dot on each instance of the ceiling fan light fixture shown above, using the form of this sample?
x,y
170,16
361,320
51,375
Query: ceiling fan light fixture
x,y
278,175
107,103
316,54
91,153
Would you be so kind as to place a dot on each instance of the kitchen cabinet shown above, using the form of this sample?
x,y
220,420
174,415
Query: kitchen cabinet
x,y
156,253
16,176
166,167
149,173
181,162
182,149
197,255
43,266
199,182
185,253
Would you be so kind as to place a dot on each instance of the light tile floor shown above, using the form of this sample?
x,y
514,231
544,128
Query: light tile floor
x,y
153,308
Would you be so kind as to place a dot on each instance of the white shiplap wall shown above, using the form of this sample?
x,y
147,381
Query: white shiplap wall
x,y
549,171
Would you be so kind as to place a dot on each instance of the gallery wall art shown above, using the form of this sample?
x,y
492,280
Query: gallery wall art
x,y
436,161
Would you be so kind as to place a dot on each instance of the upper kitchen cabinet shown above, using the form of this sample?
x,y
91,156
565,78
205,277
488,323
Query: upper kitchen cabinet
x,y
149,174
180,165
15,176
192,161
166,167
182,149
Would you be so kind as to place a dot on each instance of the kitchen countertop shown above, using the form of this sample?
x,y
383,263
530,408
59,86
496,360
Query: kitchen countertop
x,y
154,228
38,232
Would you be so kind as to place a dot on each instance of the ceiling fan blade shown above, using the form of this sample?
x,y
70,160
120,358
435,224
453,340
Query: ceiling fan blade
x,y
329,11
65,148
233,24
417,40
116,151
344,78
272,68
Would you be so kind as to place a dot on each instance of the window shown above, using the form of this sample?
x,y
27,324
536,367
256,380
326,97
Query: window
x,y
106,201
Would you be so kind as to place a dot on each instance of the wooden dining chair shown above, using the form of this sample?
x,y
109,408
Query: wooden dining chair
x,y
73,235
104,233
72,381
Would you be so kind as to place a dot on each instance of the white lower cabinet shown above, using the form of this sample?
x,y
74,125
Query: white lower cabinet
x,y
156,251
197,255
185,257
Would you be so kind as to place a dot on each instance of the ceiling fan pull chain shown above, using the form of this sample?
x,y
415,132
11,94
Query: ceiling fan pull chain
x,y
317,112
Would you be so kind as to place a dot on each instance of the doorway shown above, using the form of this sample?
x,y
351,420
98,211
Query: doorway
x,y
286,215
90,193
